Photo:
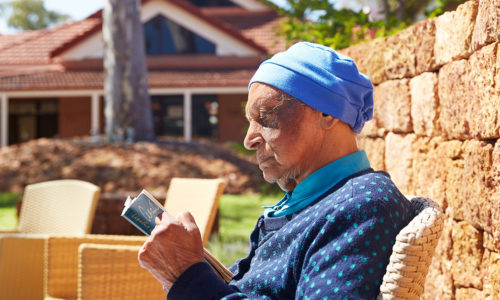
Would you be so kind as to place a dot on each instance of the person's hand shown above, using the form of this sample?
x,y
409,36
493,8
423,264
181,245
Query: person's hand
x,y
173,246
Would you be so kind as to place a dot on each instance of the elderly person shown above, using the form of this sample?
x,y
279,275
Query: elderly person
x,y
331,235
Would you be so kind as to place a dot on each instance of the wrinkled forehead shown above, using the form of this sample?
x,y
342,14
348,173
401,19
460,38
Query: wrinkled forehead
x,y
262,96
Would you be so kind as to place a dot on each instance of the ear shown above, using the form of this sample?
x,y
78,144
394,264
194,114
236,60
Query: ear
x,y
327,121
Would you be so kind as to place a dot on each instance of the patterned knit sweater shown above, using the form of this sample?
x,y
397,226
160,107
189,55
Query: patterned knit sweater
x,y
336,248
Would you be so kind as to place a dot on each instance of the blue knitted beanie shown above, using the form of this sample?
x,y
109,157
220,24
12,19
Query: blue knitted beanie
x,y
323,79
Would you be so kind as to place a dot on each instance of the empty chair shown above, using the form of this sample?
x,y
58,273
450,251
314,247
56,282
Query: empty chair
x,y
52,207
198,196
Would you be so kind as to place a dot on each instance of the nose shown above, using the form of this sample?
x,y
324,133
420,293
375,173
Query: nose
x,y
253,137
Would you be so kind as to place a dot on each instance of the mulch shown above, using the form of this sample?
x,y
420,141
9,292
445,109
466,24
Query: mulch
x,y
126,168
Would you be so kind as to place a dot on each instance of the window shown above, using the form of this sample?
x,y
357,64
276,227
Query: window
x,y
168,115
32,119
162,36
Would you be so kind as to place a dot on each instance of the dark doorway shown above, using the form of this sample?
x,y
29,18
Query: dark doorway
x,y
32,120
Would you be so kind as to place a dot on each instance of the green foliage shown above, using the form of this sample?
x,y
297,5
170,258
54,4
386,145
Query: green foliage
x,y
343,28
31,15
8,199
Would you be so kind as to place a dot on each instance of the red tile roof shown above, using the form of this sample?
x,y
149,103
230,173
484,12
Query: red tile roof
x,y
54,80
28,60
261,27
36,48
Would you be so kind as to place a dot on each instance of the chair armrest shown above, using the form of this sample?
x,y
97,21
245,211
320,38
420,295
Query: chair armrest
x,y
3,231
61,261
21,265
113,272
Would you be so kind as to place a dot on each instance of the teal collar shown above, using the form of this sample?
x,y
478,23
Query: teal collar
x,y
318,183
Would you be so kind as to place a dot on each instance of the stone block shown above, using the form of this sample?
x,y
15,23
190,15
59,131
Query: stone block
x,y
392,106
455,187
494,196
494,275
487,27
424,53
477,166
483,115
399,153
429,170
454,33
454,99
468,293
467,255
439,281
375,150
371,129
425,104
369,57
400,54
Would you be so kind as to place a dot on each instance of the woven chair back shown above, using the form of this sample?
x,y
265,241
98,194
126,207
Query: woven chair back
x,y
412,252
198,196
58,207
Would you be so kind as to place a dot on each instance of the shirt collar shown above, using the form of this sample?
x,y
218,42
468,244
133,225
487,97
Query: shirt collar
x,y
318,183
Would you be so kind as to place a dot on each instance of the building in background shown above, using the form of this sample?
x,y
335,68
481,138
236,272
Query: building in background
x,y
200,57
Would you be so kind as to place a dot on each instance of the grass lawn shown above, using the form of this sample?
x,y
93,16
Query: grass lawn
x,y
8,218
237,217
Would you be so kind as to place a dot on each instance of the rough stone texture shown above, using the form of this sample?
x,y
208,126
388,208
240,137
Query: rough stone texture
x,y
487,28
425,104
398,160
375,150
369,57
467,256
429,170
372,130
424,53
454,33
439,280
494,275
454,99
455,188
392,106
400,54
477,165
483,115
468,294
494,196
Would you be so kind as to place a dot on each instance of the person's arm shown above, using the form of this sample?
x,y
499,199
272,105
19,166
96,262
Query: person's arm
x,y
173,254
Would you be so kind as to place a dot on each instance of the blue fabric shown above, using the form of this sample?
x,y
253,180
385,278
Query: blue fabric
x,y
323,79
318,183
336,248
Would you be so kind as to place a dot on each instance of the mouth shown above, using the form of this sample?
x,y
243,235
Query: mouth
x,y
263,159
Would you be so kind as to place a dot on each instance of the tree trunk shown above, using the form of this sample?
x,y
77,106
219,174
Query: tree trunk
x,y
387,13
128,107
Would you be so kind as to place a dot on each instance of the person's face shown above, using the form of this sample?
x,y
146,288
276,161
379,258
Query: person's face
x,y
284,134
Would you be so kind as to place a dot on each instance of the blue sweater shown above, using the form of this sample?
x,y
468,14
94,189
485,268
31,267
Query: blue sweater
x,y
336,248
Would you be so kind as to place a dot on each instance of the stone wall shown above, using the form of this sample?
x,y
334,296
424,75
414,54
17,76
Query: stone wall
x,y
435,130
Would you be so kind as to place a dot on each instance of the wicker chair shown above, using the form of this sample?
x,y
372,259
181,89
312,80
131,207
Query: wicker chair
x,y
52,207
97,267
106,266
198,196
412,253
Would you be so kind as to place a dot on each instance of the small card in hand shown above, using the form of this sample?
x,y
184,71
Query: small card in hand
x,y
142,211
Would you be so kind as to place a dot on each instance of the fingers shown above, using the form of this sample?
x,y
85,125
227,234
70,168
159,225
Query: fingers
x,y
187,220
